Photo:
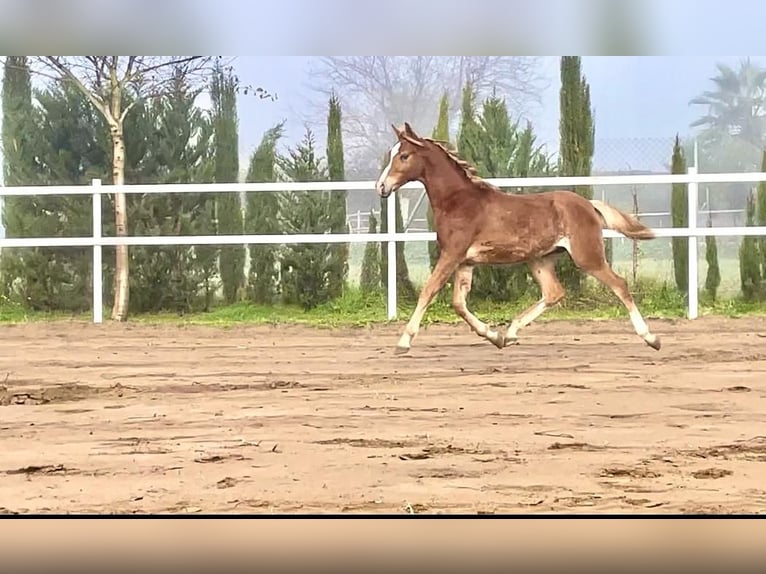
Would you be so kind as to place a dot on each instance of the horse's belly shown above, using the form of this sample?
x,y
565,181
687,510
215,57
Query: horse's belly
x,y
489,254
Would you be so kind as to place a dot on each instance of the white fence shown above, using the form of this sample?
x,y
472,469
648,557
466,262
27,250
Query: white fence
x,y
692,179
359,220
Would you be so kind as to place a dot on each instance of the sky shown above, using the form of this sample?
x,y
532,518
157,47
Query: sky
x,y
643,97
634,98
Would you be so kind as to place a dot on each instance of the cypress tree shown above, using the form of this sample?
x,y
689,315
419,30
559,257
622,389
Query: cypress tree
x,y
577,131
262,218
440,133
336,170
223,92
369,279
713,277
749,264
679,210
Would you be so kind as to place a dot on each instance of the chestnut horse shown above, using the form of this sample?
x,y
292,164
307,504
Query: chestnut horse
x,y
476,224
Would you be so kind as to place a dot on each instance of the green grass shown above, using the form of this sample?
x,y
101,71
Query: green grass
x,y
14,313
654,292
355,308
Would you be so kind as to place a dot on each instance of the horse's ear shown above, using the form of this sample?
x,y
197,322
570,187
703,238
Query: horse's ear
x,y
397,132
409,135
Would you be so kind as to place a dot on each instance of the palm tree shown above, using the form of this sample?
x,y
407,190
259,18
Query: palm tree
x,y
737,107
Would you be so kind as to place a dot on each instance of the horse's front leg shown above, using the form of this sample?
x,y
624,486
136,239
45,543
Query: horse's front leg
x,y
463,280
442,270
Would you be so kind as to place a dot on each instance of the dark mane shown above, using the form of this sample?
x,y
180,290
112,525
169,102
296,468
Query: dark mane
x,y
468,170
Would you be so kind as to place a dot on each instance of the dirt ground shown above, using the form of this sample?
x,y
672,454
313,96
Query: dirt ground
x,y
580,417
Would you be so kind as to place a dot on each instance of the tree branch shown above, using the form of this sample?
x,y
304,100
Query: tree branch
x,y
175,62
68,75
127,109
129,69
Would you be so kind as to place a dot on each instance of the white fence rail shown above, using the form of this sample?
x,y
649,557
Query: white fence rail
x,y
692,179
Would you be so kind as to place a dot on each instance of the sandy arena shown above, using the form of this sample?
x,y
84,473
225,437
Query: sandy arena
x,y
580,417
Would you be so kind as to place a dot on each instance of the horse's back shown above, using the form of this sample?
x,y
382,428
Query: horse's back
x,y
540,204
568,205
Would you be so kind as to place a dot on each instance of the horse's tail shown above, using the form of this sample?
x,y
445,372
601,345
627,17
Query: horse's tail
x,y
623,222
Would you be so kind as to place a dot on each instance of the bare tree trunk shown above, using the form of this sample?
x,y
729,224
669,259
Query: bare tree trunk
x,y
121,271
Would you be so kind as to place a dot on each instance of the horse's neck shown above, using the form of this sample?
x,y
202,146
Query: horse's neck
x,y
443,184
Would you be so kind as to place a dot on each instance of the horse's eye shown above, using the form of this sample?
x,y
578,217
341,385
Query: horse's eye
x,y
404,156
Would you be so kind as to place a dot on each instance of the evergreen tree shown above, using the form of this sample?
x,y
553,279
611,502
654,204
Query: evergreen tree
x,y
369,279
71,148
761,217
171,277
306,268
262,218
576,130
206,256
497,139
107,83
59,146
223,93
749,264
336,172
440,133
679,210
19,129
19,168
468,136
713,277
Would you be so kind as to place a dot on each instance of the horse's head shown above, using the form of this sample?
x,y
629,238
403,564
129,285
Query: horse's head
x,y
407,161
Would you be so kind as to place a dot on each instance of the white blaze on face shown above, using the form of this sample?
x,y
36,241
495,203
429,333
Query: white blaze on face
x,y
384,175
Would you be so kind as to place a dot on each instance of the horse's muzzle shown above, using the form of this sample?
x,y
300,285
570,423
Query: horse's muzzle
x,y
382,191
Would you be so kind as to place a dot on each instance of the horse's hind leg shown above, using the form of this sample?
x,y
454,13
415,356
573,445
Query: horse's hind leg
x,y
544,272
619,286
463,280
593,262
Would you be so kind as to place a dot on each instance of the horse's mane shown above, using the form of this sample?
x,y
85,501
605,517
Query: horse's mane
x,y
468,170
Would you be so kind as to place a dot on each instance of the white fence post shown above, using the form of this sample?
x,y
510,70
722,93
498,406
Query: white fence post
x,y
693,287
390,231
98,280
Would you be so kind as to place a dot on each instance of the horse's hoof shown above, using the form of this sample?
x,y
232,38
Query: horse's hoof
x,y
497,339
401,350
654,342
511,341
